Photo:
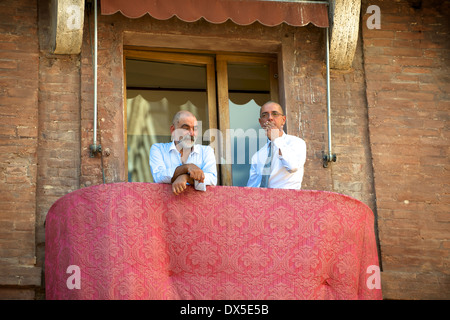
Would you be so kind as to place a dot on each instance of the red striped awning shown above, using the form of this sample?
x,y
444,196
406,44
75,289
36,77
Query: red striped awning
x,y
242,12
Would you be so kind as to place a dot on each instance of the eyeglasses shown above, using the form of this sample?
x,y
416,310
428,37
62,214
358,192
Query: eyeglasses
x,y
275,114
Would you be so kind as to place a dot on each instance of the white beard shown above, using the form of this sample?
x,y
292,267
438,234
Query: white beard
x,y
187,142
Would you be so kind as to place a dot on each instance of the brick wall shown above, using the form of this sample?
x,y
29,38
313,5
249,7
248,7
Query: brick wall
x,y
407,66
110,106
352,173
59,129
19,78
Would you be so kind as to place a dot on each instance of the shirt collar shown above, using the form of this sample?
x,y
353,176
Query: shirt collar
x,y
172,146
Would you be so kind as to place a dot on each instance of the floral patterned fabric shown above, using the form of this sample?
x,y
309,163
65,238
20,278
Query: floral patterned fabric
x,y
139,241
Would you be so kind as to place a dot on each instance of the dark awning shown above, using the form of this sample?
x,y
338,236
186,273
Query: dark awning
x,y
242,12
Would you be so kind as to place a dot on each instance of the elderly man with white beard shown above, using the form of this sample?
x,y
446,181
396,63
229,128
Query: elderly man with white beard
x,y
182,162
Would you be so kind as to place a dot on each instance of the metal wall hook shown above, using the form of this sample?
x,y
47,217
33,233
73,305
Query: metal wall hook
x,y
327,158
94,149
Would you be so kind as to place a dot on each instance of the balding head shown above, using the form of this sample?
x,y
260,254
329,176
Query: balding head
x,y
272,105
180,115
271,117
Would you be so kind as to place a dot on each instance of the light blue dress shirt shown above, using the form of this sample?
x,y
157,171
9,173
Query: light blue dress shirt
x,y
286,171
165,158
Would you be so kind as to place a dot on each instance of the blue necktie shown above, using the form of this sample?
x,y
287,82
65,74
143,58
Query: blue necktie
x,y
266,170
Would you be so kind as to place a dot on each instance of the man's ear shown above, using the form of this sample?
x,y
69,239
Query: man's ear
x,y
172,129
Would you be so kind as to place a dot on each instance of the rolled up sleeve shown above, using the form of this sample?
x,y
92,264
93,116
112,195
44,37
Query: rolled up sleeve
x,y
161,170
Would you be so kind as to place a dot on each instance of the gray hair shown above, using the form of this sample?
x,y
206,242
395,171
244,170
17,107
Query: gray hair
x,y
179,114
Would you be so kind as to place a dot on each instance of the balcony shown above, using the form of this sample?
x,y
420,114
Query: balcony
x,y
139,241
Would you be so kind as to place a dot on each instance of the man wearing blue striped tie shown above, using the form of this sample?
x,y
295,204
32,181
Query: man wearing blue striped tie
x,y
280,162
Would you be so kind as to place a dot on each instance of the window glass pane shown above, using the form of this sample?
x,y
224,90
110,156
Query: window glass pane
x,y
248,77
155,92
249,89
246,139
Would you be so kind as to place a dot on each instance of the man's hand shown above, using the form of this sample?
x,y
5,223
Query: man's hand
x,y
272,131
184,174
180,184
195,173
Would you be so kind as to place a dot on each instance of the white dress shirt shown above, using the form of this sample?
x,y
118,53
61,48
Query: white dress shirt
x,y
286,171
165,158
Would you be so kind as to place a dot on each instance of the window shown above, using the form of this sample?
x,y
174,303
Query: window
x,y
224,92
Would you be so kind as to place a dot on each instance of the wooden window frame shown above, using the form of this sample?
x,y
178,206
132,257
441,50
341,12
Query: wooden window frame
x,y
222,62
216,65
198,60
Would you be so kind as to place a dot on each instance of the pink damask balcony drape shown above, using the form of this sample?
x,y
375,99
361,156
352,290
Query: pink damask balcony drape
x,y
139,241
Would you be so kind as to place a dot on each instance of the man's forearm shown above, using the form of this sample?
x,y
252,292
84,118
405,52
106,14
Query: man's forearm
x,y
183,169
